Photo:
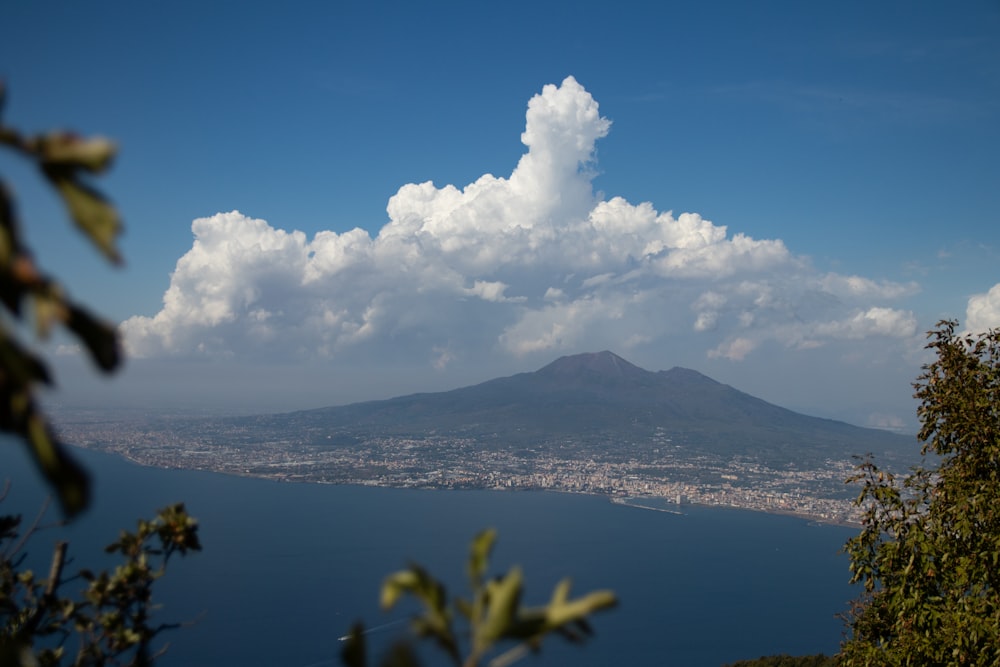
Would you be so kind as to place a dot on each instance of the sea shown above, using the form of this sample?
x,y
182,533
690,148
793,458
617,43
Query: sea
x,y
287,567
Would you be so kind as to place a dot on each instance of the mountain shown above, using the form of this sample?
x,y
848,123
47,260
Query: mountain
x,y
599,403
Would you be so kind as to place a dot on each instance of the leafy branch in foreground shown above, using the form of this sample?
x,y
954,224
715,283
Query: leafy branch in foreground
x,y
493,616
66,161
929,551
112,616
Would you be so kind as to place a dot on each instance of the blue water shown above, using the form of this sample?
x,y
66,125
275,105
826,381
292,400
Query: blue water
x,y
287,567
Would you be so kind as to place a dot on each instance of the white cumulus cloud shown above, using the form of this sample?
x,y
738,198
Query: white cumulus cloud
x,y
983,311
529,263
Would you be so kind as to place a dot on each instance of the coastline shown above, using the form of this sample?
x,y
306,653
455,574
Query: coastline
x,y
630,501
624,499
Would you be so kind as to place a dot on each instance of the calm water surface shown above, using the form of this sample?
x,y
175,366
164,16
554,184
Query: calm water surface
x,y
287,567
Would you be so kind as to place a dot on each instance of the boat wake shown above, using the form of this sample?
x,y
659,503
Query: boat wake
x,y
377,628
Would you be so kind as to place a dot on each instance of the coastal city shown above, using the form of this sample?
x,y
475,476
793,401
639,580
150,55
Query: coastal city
x,y
665,478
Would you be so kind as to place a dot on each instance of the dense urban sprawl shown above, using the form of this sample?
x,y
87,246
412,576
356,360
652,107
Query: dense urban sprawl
x,y
663,472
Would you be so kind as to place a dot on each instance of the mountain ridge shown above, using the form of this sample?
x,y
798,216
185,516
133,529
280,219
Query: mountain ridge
x,y
601,403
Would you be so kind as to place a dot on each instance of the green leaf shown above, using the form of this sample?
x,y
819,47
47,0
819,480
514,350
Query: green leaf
x,y
561,592
91,212
21,367
70,480
405,581
69,151
479,554
501,610
100,338
561,612
48,311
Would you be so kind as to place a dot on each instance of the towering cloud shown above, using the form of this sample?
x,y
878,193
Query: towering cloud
x,y
533,262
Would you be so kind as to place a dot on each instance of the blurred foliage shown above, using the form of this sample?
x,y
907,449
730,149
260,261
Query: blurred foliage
x,y
783,660
111,618
65,161
929,551
494,615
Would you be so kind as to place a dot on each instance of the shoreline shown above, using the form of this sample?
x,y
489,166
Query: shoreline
x,y
812,518
618,499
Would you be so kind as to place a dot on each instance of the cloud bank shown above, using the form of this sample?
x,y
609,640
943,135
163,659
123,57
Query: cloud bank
x,y
509,266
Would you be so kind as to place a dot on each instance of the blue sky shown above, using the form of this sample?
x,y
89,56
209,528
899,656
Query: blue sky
x,y
848,149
